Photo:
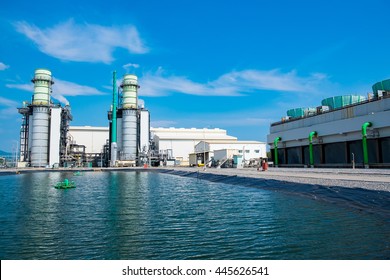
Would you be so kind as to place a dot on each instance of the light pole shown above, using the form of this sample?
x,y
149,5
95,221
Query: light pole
x,y
204,150
16,154
243,156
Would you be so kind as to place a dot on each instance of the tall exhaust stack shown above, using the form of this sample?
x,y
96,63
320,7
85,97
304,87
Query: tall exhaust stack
x,y
129,117
40,118
114,147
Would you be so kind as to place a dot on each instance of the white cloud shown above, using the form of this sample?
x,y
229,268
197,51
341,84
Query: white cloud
x,y
8,108
234,83
130,65
163,123
8,102
220,119
26,87
3,66
83,42
156,85
250,80
65,88
61,89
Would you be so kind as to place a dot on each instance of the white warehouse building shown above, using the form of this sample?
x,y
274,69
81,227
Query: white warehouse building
x,y
179,143
92,137
221,151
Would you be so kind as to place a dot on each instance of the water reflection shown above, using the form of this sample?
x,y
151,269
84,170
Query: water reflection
x,y
141,215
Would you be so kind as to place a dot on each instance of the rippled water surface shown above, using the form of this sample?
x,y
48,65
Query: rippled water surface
x,y
147,215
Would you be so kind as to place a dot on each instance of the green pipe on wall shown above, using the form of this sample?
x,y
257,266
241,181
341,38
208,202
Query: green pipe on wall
x,y
364,136
277,139
311,157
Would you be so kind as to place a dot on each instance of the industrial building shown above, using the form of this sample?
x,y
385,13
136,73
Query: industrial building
x,y
173,146
48,140
129,126
44,130
345,131
176,144
228,153
93,138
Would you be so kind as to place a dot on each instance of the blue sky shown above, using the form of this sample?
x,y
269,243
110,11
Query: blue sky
x,y
236,65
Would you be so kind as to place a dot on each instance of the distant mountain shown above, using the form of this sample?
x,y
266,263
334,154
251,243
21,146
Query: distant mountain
x,y
2,153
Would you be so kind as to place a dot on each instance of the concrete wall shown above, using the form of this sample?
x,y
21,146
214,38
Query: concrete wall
x,y
182,141
339,138
55,133
92,137
224,154
336,126
144,136
180,148
247,149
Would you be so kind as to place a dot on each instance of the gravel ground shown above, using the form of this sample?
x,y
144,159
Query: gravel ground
x,y
372,179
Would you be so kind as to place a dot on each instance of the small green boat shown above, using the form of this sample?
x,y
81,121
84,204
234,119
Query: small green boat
x,y
65,185
77,173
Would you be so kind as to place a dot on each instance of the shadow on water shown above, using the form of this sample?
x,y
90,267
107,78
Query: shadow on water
x,y
373,201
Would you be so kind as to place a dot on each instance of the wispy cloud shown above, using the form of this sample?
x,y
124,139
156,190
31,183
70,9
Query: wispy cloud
x,y
156,85
83,42
26,87
7,108
163,123
61,89
8,102
130,65
3,66
223,119
235,83
65,88
275,80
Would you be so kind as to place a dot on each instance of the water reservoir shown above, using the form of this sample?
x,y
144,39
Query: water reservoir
x,y
149,215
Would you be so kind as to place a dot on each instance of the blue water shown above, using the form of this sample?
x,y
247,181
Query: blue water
x,y
148,215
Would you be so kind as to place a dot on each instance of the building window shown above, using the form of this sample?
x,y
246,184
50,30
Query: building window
x,y
257,151
247,151
240,151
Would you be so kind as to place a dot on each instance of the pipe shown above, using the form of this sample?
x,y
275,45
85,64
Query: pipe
x,y
114,106
311,157
364,136
114,147
277,139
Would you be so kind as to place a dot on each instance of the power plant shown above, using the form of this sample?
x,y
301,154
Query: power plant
x,y
45,125
129,125
45,140
343,131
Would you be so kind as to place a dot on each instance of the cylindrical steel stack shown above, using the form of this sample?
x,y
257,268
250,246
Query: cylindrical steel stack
x,y
129,117
40,118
